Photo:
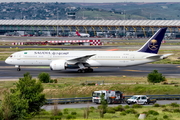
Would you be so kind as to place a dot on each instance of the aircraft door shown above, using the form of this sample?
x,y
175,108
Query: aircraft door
x,y
18,56
132,57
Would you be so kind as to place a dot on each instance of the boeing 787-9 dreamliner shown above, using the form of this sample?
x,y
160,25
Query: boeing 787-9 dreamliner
x,y
85,60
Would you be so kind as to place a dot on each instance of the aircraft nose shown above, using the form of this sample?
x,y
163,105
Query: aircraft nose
x,y
7,61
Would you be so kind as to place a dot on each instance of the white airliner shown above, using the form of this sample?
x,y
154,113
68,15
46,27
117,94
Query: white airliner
x,y
84,60
82,34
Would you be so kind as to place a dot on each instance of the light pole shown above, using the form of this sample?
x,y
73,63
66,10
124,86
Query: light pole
x,y
57,24
21,15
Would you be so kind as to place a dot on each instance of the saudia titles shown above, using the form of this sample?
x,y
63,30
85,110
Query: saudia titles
x,y
153,45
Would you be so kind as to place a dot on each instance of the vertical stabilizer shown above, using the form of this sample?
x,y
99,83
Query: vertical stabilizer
x,y
77,33
154,43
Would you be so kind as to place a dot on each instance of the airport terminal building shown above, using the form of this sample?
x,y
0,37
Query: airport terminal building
x,y
96,28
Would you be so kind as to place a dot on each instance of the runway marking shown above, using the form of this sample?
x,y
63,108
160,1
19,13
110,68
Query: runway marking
x,y
113,50
136,70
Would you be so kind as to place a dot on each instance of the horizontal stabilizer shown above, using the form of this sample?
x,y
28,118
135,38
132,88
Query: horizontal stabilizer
x,y
166,55
156,56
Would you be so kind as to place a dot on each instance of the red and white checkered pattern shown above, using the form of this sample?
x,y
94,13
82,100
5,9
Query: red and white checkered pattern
x,y
18,43
95,42
69,41
92,42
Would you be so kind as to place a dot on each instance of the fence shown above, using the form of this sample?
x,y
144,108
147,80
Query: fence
x,y
89,99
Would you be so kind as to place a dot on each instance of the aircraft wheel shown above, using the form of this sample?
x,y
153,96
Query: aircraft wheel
x,y
83,70
79,71
90,70
18,69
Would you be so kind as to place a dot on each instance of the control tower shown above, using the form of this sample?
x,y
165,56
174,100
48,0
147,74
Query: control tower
x,y
71,15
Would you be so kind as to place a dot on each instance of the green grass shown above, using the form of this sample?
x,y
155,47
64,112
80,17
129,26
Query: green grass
x,y
72,87
163,112
127,89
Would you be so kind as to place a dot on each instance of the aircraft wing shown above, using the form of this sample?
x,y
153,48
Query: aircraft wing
x,y
156,56
81,59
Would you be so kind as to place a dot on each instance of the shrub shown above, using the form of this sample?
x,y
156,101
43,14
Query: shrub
x,y
91,84
153,112
137,106
176,110
92,109
126,107
44,77
163,106
137,115
70,117
119,108
131,111
83,84
156,105
165,117
110,110
55,81
123,113
60,113
51,81
174,105
44,113
73,113
55,118
66,111
155,77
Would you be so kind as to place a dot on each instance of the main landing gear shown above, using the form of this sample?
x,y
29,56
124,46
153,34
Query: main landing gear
x,y
84,70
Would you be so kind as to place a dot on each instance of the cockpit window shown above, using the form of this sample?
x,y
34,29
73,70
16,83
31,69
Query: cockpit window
x,y
10,56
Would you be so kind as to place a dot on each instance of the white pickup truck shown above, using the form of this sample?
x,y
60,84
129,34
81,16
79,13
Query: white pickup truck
x,y
140,99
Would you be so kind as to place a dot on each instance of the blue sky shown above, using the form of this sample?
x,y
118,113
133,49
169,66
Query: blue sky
x,y
90,1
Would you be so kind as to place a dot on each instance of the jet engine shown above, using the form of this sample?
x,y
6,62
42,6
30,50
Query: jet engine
x,y
58,65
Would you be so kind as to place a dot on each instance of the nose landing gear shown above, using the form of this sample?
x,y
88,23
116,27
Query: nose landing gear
x,y
18,67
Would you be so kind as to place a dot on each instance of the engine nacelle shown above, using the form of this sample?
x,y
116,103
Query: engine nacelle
x,y
58,65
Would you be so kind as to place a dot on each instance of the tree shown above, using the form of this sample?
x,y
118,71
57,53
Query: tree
x,y
102,108
31,90
23,101
44,77
13,107
155,77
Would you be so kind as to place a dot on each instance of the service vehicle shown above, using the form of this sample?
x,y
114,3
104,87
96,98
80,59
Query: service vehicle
x,y
140,99
111,96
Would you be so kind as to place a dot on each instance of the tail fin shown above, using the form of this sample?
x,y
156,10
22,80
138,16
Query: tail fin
x,y
77,33
154,43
